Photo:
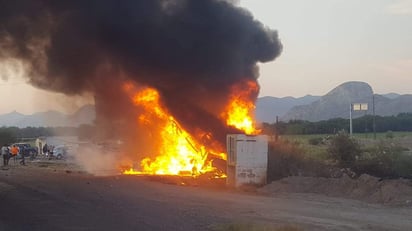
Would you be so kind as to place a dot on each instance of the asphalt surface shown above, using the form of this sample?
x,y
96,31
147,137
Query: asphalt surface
x,y
48,197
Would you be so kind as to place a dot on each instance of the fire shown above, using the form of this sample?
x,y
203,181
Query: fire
x,y
240,108
178,152
179,155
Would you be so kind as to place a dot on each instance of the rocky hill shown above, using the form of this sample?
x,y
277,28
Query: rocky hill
x,y
336,104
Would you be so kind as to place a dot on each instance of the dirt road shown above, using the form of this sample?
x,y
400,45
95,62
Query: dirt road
x,y
45,197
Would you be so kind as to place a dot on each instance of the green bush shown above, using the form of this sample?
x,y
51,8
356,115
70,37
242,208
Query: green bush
x,y
315,141
403,165
344,150
385,160
290,159
389,135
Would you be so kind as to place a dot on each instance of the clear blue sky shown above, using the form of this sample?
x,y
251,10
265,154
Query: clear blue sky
x,y
326,43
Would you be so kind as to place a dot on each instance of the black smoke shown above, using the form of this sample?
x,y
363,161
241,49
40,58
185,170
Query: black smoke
x,y
191,51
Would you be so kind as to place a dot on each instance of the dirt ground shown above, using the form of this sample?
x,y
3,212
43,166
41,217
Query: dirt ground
x,y
56,195
391,192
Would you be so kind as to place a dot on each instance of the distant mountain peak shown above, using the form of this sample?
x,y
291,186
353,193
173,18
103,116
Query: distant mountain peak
x,y
336,104
51,118
15,113
352,90
392,95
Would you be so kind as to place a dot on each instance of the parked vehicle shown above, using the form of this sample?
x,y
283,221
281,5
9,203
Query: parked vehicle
x,y
60,152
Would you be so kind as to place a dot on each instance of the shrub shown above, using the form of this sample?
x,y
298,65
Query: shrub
x,y
344,150
403,165
315,141
385,160
289,159
389,135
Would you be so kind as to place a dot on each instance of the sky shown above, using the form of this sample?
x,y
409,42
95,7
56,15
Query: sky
x,y
325,43
329,42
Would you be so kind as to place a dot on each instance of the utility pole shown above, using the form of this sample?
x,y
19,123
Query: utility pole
x,y
350,120
373,119
277,129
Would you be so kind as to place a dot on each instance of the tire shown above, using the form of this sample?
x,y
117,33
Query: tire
x,y
59,157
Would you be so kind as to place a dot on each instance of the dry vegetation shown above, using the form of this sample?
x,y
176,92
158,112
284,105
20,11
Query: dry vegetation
x,y
387,156
361,168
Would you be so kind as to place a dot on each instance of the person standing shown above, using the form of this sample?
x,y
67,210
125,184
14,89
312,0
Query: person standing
x,y
22,162
46,150
14,151
5,154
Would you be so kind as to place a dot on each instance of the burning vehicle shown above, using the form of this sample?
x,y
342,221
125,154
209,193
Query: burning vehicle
x,y
169,77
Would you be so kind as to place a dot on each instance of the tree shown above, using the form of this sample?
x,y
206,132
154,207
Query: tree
x,y
6,137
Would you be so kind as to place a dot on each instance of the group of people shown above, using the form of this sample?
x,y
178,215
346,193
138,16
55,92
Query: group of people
x,y
8,152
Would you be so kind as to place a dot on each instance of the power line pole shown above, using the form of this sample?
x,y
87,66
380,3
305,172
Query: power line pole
x,y
277,129
350,120
373,119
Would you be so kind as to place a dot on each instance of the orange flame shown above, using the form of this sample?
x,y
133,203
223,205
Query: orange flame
x,y
240,108
178,153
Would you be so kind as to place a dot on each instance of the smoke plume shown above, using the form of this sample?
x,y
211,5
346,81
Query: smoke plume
x,y
191,51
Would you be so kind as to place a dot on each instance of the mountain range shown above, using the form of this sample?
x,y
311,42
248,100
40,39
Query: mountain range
x,y
268,107
335,104
85,115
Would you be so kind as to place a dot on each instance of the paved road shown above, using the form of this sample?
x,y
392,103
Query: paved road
x,y
43,198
